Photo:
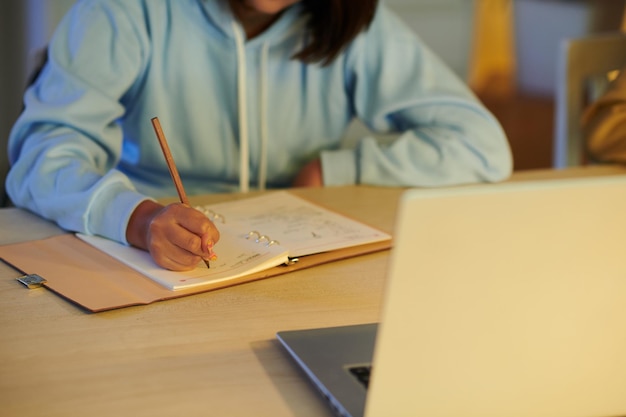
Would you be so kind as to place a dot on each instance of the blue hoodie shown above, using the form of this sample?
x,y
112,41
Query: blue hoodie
x,y
237,113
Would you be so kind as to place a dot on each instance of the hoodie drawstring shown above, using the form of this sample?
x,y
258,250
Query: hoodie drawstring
x,y
244,156
244,151
263,115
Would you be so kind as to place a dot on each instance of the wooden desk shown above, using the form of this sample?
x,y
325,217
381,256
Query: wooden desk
x,y
211,354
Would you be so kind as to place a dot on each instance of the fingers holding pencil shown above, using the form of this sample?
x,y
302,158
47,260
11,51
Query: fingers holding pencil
x,y
208,235
179,237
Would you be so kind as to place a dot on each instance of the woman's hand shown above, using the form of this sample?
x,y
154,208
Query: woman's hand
x,y
177,236
310,175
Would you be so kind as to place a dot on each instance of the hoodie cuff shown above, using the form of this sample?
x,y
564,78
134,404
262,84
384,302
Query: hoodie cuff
x,y
111,218
339,167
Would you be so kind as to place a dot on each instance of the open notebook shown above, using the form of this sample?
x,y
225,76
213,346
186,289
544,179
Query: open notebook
x,y
257,233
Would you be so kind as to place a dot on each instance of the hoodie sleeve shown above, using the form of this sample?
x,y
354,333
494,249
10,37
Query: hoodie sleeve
x,y
445,135
65,145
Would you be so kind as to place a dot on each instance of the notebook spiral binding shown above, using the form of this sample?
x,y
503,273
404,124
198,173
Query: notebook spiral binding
x,y
213,216
218,218
264,239
259,238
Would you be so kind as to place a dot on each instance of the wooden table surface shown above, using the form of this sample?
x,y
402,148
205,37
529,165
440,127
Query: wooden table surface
x,y
210,354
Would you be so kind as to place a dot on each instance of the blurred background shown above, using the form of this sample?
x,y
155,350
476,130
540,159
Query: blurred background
x,y
504,49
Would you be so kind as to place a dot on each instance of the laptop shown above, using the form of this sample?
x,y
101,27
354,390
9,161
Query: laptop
x,y
501,300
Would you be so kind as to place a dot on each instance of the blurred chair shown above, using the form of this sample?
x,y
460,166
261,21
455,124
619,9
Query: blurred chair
x,y
582,74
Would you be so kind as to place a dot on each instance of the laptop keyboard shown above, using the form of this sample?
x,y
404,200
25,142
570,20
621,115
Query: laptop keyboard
x,y
362,373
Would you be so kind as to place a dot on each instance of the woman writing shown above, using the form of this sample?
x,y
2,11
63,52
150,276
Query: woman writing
x,y
251,93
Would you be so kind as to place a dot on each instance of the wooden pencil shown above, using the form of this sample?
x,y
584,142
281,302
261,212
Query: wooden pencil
x,y
169,159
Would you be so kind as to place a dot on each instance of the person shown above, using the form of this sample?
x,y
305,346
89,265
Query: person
x,y
604,123
250,93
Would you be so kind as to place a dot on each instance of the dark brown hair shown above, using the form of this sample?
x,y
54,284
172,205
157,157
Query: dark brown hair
x,y
334,24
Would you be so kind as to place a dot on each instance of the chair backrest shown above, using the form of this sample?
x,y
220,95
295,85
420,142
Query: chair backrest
x,y
581,60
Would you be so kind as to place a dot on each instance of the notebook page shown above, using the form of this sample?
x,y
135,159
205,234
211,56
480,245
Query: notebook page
x,y
303,227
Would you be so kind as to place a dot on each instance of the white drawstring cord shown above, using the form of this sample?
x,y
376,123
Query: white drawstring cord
x,y
263,115
244,158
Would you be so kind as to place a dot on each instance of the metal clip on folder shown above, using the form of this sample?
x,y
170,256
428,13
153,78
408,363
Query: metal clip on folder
x,y
29,280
